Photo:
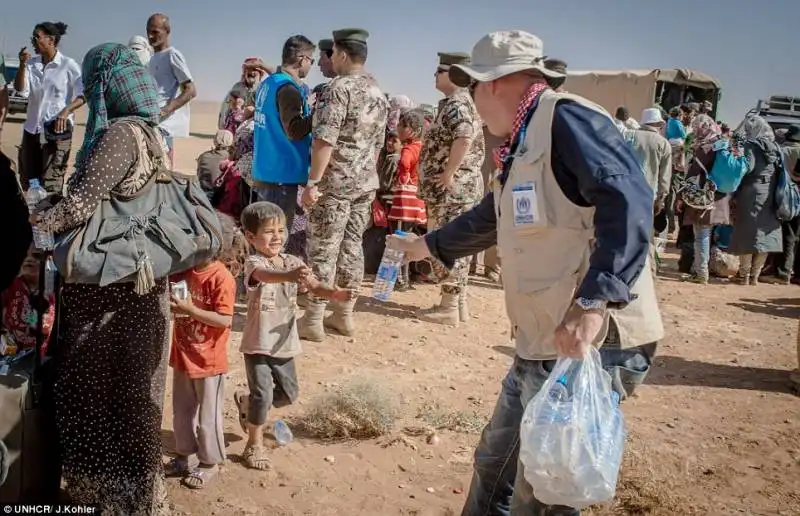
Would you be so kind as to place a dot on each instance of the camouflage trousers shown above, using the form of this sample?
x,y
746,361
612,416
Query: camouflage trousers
x,y
453,281
335,233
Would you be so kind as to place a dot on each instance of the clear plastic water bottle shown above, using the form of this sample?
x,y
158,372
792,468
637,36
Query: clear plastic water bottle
x,y
282,433
35,195
49,277
391,263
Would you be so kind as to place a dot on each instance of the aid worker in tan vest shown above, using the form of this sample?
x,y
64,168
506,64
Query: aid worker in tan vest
x,y
571,214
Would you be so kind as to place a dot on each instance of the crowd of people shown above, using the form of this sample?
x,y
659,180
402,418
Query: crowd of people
x,y
300,175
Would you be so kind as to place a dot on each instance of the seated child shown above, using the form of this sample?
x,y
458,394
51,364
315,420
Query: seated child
x,y
270,341
199,359
19,299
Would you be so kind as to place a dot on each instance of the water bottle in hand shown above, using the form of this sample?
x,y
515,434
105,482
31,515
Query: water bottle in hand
x,y
389,269
282,433
35,195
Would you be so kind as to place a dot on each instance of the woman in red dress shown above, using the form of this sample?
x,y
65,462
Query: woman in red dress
x,y
407,209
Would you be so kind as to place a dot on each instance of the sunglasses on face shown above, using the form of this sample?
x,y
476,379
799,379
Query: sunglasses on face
x,y
439,71
310,59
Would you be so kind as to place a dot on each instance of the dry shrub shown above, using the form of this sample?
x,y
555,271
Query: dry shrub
x,y
463,421
640,491
362,409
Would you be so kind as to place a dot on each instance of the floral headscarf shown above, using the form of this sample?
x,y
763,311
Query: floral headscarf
x,y
757,131
705,129
397,105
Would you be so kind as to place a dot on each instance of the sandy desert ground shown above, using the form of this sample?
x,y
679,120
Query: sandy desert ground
x,y
715,431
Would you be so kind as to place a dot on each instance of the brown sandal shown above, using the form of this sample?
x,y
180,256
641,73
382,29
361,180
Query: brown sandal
x,y
256,458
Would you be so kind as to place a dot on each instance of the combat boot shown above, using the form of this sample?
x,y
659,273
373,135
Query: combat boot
x,y
447,312
310,327
341,320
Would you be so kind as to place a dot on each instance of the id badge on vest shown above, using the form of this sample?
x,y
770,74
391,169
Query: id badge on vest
x,y
526,210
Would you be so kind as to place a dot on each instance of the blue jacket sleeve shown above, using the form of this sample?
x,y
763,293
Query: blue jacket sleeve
x,y
468,234
596,167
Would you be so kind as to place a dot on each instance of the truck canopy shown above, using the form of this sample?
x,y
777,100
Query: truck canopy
x,y
639,89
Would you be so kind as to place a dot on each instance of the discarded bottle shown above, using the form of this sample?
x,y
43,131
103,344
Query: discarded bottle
x,y
282,433
389,269
35,195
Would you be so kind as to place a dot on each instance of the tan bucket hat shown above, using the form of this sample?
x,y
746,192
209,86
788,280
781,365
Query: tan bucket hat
x,y
499,54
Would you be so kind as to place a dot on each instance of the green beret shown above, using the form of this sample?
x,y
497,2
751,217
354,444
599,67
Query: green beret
x,y
325,45
357,35
446,59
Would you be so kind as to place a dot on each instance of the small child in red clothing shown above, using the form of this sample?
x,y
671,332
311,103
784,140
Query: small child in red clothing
x,y
199,359
407,209
19,316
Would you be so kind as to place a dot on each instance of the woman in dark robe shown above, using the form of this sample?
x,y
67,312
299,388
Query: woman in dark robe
x,y
113,341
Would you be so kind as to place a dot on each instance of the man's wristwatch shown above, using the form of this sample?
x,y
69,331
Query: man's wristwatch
x,y
587,304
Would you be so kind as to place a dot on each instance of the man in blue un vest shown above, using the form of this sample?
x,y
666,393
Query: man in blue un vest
x,y
282,135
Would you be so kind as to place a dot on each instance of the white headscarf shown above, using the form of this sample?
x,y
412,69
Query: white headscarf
x,y
141,46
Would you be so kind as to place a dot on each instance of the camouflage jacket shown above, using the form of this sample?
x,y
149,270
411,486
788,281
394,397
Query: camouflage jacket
x,y
351,116
456,118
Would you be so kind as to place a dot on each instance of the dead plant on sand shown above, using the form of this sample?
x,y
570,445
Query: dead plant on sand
x,y
362,409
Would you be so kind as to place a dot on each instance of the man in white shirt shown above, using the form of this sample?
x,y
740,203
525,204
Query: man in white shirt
x,y
173,78
53,85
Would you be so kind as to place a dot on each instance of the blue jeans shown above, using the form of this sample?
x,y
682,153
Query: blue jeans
x,y
702,249
498,486
284,196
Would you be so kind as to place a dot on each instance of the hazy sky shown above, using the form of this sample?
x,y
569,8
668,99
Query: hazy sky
x,y
748,46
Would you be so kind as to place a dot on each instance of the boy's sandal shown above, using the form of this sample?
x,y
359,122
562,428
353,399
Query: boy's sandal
x,y
199,477
176,467
240,398
256,458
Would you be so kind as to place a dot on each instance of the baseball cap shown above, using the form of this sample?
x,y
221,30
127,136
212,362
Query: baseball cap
x,y
499,54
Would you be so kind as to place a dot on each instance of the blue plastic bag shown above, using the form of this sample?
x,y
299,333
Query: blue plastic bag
x,y
573,434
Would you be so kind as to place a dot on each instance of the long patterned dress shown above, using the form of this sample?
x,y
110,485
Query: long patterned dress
x,y
114,349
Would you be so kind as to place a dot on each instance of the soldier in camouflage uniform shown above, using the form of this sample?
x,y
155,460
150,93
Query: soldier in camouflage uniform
x,y
325,66
452,183
348,130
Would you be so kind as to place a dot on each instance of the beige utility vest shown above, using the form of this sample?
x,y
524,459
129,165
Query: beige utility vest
x,y
545,241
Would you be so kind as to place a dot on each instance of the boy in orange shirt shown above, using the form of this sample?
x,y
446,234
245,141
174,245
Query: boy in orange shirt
x,y
199,360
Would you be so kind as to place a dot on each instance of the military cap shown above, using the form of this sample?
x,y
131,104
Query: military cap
x,y
325,45
356,35
446,59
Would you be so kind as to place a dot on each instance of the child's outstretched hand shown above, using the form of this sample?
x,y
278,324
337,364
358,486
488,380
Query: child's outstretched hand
x,y
181,306
300,274
343,294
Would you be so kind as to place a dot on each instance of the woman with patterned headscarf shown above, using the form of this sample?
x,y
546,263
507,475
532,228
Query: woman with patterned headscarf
x,y
397,105
114,341
756,228
701,220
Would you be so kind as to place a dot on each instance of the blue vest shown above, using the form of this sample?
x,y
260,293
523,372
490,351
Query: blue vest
x,y
276,158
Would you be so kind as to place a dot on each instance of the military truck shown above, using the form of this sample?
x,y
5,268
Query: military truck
x,y
641,89
779,111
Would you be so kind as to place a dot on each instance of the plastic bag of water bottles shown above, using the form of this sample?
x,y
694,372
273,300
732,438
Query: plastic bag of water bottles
x,y
573,434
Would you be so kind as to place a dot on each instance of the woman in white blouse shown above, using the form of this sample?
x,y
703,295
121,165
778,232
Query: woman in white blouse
x,y
52,83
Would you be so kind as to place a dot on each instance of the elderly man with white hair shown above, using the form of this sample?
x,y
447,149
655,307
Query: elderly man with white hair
x,y
572,216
